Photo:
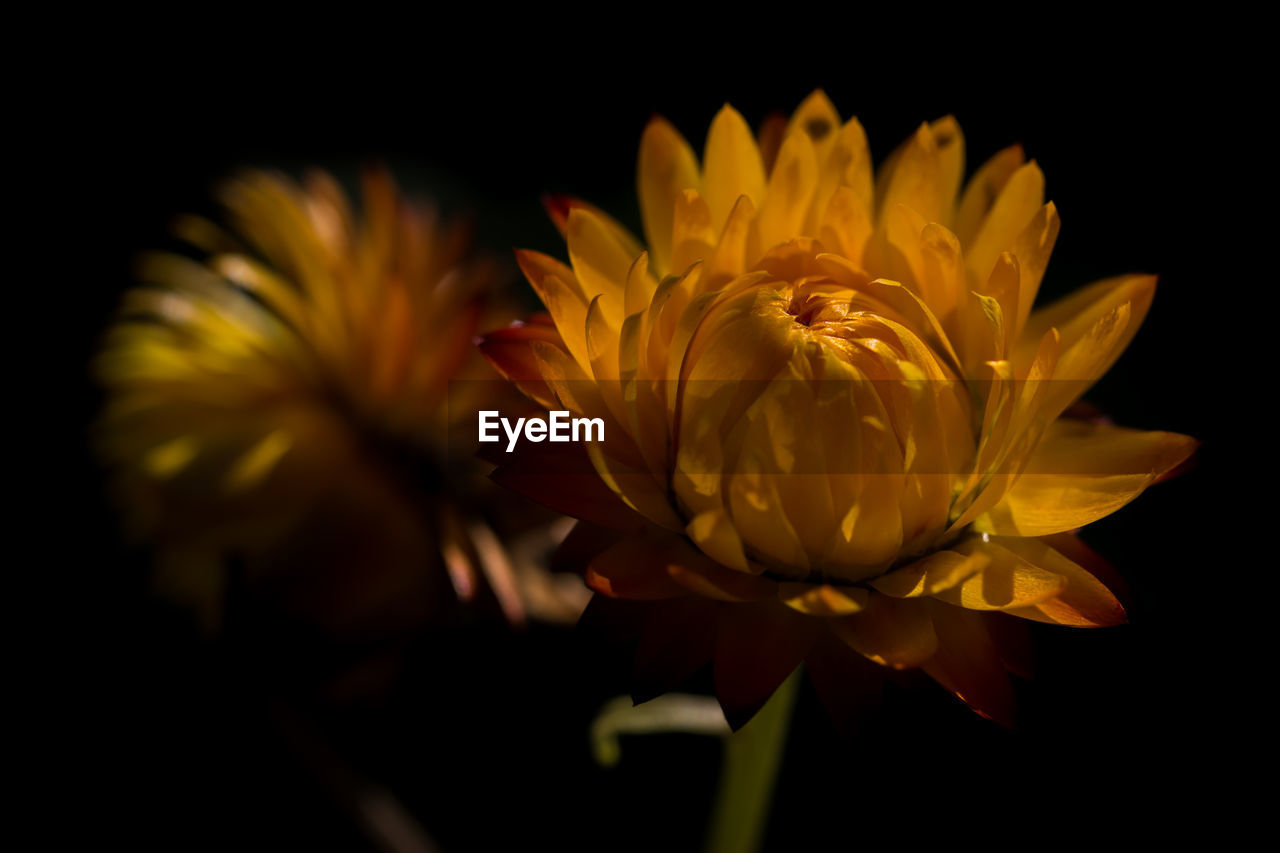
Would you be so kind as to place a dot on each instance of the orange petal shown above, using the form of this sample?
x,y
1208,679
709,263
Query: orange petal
x,y
510,351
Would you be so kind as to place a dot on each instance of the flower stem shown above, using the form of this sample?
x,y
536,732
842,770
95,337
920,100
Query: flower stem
x,y
750,767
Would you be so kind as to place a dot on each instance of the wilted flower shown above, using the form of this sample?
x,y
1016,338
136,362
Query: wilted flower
x,y
278,398
832,418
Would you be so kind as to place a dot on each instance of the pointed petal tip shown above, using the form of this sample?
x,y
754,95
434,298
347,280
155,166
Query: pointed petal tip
x,y
558,207
727,110
657,122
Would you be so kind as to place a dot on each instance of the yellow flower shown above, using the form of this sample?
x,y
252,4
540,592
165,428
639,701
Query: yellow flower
x,y
283,401
833,421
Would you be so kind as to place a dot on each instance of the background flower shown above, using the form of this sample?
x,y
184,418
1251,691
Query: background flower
x,y
832,417
280,405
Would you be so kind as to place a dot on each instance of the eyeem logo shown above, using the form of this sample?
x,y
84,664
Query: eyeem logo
x,y
558,427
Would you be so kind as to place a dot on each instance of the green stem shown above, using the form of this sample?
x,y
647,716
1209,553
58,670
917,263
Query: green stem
x,y
751,761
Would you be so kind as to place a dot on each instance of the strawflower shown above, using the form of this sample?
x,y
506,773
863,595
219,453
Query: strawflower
x,y
834,424
278,405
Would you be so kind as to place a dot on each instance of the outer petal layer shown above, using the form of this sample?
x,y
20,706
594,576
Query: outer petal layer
x,y
1082,472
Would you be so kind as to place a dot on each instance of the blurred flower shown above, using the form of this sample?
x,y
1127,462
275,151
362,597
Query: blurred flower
x,y
279,400
832,418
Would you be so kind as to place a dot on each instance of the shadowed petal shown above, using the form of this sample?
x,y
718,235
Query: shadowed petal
x,y
849,685
892,632
757,647
968,664
636,568
678,639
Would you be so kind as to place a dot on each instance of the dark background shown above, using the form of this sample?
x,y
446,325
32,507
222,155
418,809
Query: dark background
x,y
155,735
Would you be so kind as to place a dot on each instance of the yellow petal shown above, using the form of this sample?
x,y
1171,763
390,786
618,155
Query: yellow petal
x,y
731,165
924,173
635,485
864,465
692,236
754,502
640,286
791,187
259,461
600,261
891,632
1033,248
602,349
981,325
1081,472
982,191
822,599
667,166
942,278
563,302
851,164
1013,210
714,533
536,266
1085,602
734,247
1004,580
846,225
934,573
171,457
1008,443
1084,360
816,117
1076,315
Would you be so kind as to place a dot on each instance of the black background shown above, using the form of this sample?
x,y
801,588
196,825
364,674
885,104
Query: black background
x,y
157,736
